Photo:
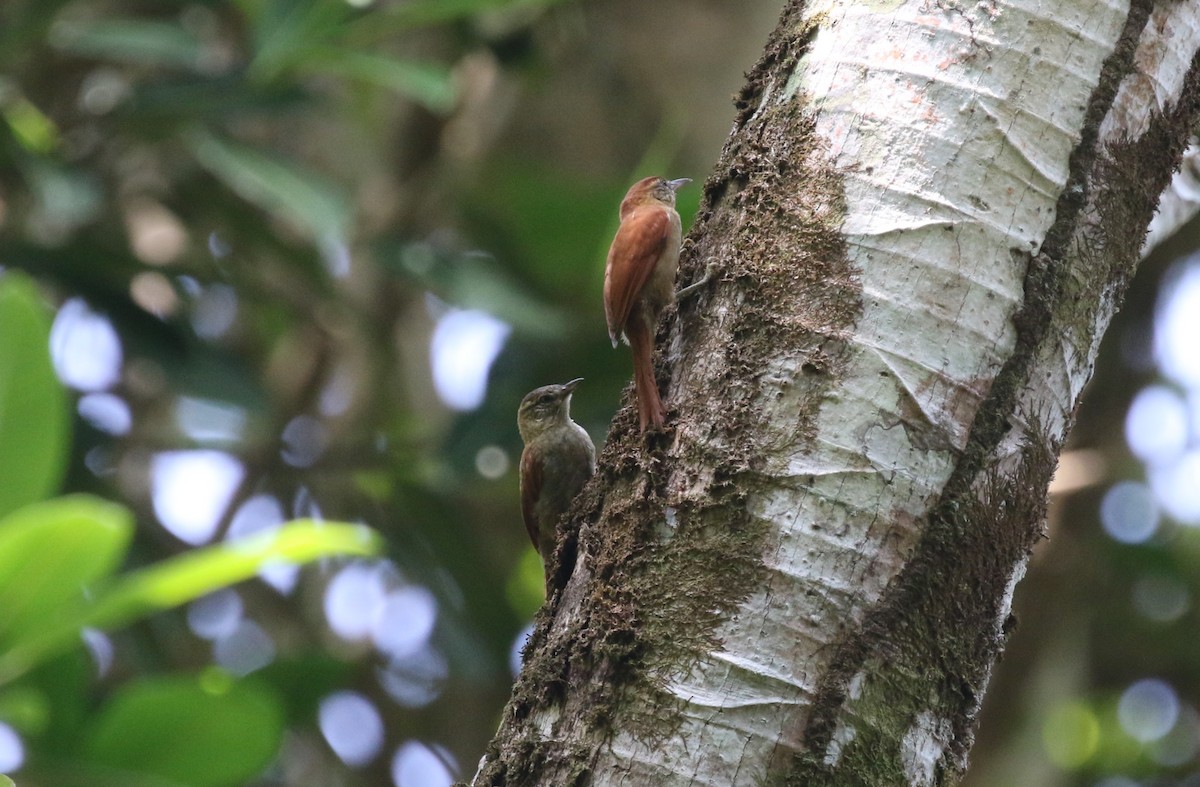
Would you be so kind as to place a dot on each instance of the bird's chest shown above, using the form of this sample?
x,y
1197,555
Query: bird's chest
x,y
660,287
567,468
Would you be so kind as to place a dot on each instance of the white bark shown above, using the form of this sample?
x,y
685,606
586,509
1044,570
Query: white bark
x,y
953,127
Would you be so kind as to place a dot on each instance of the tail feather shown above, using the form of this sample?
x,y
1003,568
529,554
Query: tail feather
x,y
641,341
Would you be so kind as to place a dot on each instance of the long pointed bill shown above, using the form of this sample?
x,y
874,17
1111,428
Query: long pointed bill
x,y
570,387
676,185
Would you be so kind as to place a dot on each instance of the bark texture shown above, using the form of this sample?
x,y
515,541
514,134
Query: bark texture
x,y
924,218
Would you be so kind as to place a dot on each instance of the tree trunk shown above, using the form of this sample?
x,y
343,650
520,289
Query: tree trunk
x,y
924,218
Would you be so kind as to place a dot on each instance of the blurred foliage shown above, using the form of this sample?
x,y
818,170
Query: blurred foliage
x,y
33,405
56,556
57,560
187,733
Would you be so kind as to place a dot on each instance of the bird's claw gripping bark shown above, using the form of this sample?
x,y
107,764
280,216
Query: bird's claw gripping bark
x,y
710,271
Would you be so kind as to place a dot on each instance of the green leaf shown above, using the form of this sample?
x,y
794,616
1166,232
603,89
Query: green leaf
x,y
67,688
176,729
131,41
33,130
34,425
427,84
287,32
278,186
185,578
51,552
197,573
6,782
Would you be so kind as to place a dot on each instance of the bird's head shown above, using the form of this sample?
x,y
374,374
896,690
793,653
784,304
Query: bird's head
x,y
545,407
650,190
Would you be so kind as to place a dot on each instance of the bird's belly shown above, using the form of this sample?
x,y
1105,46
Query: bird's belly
x,y
659,291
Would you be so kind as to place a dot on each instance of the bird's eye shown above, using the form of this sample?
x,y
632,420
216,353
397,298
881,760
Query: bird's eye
x,y
545,398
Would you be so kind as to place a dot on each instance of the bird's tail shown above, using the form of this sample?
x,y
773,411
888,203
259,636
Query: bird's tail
x,y
641,341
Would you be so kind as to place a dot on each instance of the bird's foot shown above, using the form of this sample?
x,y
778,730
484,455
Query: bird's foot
x,y
710,271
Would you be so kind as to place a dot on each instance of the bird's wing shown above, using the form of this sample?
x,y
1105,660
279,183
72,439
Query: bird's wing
x,y
635,250
531,490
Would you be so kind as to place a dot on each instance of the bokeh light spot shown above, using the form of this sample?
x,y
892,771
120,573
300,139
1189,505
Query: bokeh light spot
x,y
259,514
100,648
352,599
1128,512
191,489
12,750
1148,709
209,420
102,89
86,350
1156,425
415,680
215,615
154,293
246,649
99,461
1176,484
463,347
1160,598
218,247
264,514
305,506
304,440
214,311
336,256
352,726
107,412
338,393
156,235
1177,324
280,574
491,462
418,765
403,622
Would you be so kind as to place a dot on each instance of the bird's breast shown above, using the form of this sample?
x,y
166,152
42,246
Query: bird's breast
x,y
660,287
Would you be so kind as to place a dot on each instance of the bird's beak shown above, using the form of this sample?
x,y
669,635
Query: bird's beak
x,y
570,387
676,185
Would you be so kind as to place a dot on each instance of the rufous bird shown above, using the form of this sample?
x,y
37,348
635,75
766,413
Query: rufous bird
x,y
557,461
639,281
